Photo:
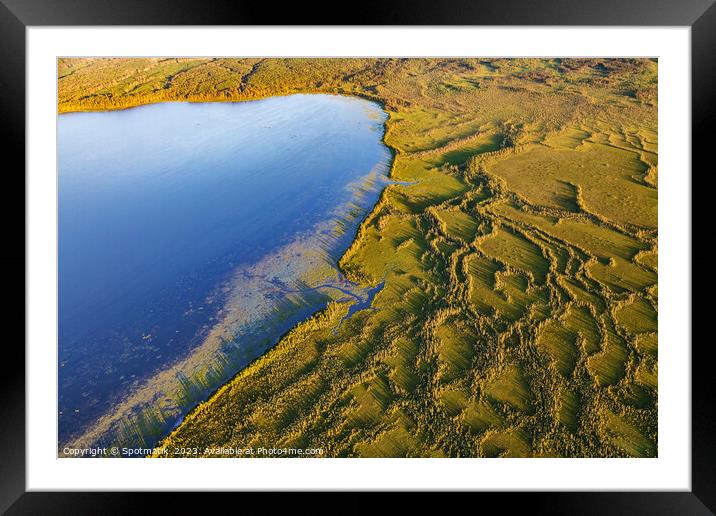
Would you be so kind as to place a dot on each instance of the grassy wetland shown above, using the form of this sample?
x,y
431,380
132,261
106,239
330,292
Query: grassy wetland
x,y
516,248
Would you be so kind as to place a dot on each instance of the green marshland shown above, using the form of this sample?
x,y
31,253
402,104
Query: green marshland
x,y
517,246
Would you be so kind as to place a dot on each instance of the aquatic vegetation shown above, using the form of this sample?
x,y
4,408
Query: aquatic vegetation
x,y
200,272
518,313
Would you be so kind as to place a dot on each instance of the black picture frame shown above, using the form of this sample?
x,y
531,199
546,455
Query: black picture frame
x,y
17,15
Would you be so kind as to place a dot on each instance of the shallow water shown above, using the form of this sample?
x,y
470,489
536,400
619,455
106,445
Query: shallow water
x,y
185,231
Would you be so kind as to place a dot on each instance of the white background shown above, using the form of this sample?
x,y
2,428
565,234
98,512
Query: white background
x,y
671,470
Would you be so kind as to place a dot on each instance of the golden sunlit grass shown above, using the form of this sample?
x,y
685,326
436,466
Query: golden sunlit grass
x,y
519,311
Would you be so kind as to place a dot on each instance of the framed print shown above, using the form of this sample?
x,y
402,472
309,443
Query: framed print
x,y
430,250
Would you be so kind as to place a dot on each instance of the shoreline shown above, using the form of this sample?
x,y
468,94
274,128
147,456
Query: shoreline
x,y
199,100
320,313
382,185
519,317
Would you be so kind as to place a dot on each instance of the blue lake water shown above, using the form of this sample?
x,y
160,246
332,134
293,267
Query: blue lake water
x,y
176,218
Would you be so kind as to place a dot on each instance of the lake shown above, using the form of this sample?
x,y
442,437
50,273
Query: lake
x,y
191,236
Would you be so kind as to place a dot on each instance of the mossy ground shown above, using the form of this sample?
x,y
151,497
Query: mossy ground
x,y
519,312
